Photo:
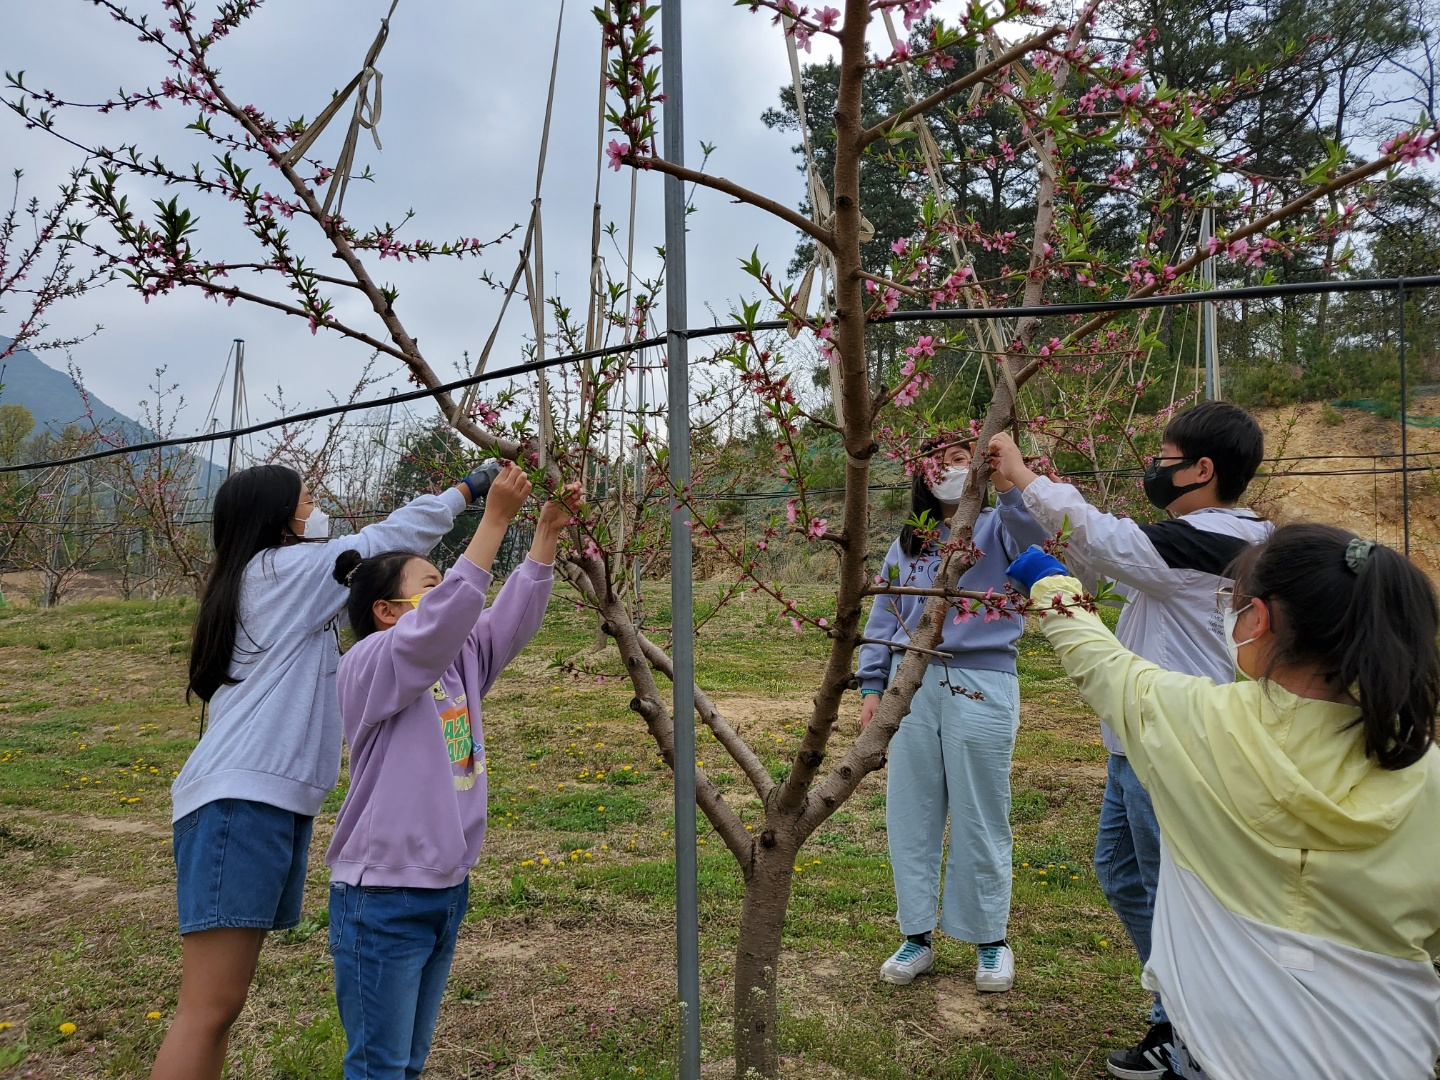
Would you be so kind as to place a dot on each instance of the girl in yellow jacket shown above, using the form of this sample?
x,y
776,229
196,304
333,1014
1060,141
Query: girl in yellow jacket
x,y
1298,913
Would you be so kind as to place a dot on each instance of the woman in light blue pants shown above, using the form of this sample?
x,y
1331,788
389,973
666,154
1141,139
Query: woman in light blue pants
x,y
951,755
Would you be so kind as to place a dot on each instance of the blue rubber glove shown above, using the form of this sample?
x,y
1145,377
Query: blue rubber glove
x,y
1033,565
479,481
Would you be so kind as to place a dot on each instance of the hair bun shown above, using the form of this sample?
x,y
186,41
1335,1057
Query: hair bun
x,y
346,563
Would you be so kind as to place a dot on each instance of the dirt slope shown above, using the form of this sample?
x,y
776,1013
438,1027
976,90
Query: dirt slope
x,y
1354,495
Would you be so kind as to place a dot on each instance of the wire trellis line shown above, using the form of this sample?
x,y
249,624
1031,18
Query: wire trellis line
x,y
1254,292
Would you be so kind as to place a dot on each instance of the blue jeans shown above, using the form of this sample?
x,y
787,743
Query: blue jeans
x,y
1127,857
951,757
392,949
240,864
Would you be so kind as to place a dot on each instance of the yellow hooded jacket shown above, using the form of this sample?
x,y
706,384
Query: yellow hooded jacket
x,y
1298,910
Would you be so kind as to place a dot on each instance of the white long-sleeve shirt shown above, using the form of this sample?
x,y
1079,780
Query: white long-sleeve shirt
x,y
1168,572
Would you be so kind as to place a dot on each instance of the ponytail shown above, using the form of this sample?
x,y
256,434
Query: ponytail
x,y
1392,657
1365,617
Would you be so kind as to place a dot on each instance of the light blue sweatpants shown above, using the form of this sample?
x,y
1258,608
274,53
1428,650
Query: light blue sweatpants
x,y
952,755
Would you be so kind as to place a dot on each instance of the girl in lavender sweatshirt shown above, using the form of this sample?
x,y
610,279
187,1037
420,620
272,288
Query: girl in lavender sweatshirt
x,y
412,823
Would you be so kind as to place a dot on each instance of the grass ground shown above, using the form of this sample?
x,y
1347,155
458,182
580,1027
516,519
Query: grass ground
x,y
564,969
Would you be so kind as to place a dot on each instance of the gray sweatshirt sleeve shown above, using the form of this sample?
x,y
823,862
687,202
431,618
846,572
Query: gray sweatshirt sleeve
x,y
1020,528
884,625
417,526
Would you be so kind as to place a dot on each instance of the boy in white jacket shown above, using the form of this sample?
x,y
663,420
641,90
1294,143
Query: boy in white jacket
x,y
1168,572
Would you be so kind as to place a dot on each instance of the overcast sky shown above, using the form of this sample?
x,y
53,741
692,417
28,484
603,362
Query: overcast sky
x,y
464,94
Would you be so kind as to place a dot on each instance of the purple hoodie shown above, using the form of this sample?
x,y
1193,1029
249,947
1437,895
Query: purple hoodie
x,y
410,701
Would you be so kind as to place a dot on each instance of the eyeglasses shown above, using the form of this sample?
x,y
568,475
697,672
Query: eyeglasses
x,y
1225,599
412,600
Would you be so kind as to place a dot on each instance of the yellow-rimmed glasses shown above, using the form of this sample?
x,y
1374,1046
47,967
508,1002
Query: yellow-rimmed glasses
x,y
413,601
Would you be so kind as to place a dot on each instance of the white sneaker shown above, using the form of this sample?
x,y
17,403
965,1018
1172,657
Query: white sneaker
x,y
910,959
995,973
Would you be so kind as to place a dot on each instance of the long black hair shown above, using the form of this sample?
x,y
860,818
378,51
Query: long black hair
x,y
375,578
253,511
1365,616
922,499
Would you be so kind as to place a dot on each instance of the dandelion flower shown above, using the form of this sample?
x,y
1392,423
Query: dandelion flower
x,y
152,1016
67,1028
4,1025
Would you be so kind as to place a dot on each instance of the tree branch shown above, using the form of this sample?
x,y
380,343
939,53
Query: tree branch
x,y
856,410
959,86
868,752
904,646
1290,209
729,738
905,590
717,811
740,194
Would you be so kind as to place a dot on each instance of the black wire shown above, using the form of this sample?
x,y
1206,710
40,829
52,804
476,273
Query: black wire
x,y
775,496
1254,292
1095,307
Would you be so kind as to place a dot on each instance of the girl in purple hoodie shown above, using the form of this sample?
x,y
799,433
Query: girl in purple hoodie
x,y
412,823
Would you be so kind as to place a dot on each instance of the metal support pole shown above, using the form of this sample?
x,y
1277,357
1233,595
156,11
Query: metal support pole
x,y
643,424
682,624
1208,342
1404,433
385,445
235,398
210,463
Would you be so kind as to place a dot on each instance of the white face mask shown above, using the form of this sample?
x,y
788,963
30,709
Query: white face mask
x,y
317,525
1231,617
950,488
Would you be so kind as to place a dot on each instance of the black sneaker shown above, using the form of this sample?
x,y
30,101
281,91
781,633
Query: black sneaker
x,y
1148,1060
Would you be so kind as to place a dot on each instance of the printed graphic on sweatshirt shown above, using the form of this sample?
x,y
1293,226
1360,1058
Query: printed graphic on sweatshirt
x,y
458,739
461,745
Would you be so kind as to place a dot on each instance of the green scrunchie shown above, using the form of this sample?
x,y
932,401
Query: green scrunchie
x,y
1356,552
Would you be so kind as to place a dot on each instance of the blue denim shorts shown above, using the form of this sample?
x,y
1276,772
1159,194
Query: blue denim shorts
x,y
240,864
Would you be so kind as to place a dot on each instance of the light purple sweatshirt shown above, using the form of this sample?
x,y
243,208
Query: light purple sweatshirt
x,y
414,816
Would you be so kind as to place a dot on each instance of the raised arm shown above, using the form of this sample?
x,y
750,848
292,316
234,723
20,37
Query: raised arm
x,y
1108,546
388,670
1133,696
507,626
1021,527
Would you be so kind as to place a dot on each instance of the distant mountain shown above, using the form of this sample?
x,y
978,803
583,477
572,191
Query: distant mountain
x,y
50,395
53,400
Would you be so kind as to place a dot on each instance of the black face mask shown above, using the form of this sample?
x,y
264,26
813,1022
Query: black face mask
x,y
1160,489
